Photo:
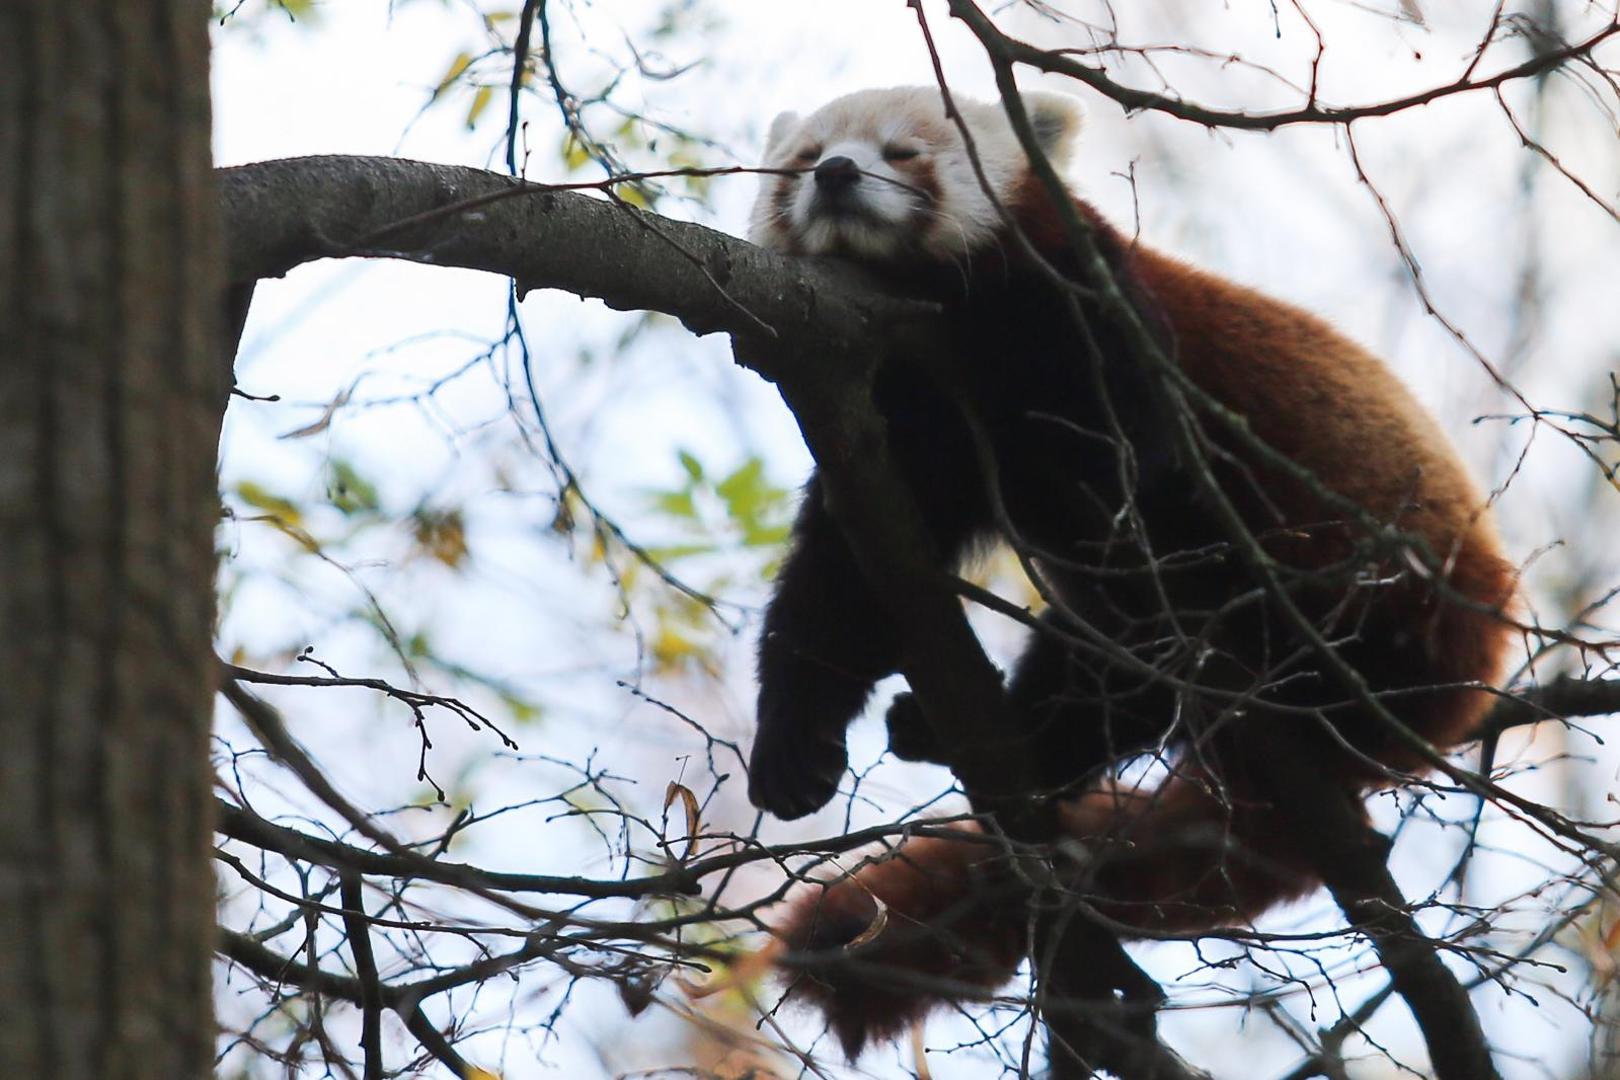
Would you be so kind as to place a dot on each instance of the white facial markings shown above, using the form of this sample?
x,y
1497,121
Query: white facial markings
x,y
868,218
917,193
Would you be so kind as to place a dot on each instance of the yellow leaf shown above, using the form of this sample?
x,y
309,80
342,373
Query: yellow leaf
x,y
634,196
282,511
671,648
574,153
480,102
460,64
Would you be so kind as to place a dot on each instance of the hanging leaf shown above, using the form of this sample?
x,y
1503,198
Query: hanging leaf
x,y
322,422
879,922
350,492
458,65
689,804
480,102
285,511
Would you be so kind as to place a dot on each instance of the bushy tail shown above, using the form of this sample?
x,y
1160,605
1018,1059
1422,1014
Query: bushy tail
x,y
910,930
941,918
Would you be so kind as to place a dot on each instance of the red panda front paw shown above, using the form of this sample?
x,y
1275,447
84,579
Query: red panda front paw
x,y
911,737
794,769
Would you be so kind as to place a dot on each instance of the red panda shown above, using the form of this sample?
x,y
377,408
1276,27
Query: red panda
x,y
1157,637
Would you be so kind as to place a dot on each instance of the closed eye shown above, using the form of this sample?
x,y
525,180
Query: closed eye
x,y
808,155
900,153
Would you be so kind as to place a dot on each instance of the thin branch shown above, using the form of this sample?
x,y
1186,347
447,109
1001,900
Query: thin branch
x,y
1055,62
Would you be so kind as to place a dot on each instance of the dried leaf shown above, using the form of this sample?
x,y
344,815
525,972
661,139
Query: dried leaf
x,y
636,993
322,422
689,804
919,1053
879,922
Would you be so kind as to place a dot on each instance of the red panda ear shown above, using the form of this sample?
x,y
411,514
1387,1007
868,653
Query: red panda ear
x,y
781,128
1057,119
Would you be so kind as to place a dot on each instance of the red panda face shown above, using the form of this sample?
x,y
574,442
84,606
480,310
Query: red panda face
x,y
883,175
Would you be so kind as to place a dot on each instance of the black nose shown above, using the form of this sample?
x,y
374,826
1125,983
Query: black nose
x,y
837,174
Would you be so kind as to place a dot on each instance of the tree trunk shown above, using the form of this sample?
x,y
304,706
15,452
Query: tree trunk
x,y
111,393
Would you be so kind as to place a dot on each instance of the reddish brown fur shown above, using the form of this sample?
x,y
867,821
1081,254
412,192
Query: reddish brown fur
x,y
1201,851
939,929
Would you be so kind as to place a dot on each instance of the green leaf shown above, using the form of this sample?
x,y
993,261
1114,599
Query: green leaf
x,y
522,709
675,503
256,496
748,495
349,491
693,467
670,552
417,646
670,648
765,535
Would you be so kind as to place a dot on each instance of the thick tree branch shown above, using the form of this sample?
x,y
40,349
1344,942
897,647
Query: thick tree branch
x,y
365,970
1563,698
1352,860
280,214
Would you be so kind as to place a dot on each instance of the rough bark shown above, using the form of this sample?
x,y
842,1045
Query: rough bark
x,y
110,402
280,214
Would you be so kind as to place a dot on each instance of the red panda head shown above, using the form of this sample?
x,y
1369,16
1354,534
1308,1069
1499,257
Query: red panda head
x,y
884,175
